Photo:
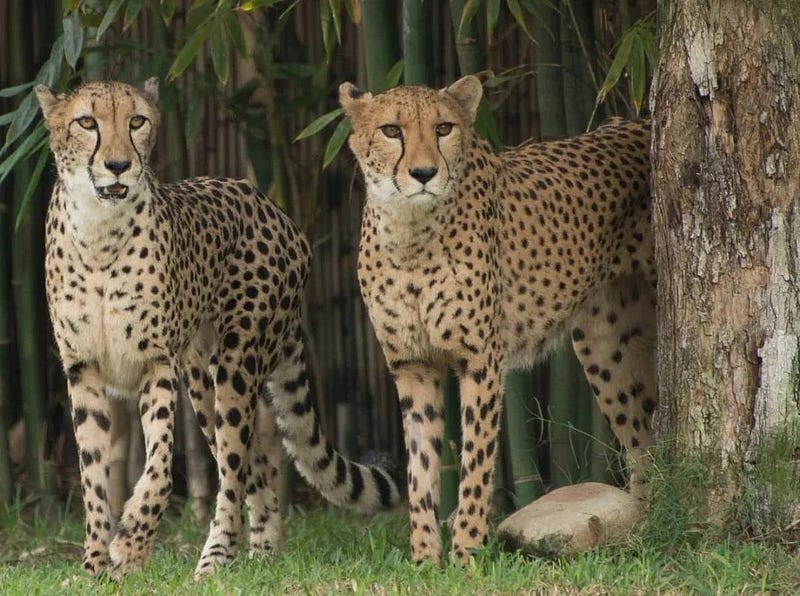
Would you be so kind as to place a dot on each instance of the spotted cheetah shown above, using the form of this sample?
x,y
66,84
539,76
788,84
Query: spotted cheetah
x,y
150,286
482,261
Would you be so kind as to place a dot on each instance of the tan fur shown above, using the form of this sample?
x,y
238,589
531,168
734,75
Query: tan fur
x,y
481,261
199,283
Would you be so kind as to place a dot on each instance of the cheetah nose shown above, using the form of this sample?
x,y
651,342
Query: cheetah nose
x,y
423,174
117,167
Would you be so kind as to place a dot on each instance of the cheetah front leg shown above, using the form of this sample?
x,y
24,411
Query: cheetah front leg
x,y
134,537
234,414
91,418
421,404
481,403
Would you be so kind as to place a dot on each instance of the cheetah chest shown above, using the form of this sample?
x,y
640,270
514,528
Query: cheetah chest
x,y
111,317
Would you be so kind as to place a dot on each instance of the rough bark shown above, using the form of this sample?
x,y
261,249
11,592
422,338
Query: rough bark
x,y
726,157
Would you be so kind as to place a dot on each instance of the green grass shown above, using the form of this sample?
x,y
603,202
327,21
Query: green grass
x,y
328,551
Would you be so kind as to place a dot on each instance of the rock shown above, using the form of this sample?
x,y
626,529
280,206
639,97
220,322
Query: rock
x,y
573,519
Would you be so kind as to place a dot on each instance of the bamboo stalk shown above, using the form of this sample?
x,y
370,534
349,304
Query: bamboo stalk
x,y
27,283
418,42
382,49
527,482
471,58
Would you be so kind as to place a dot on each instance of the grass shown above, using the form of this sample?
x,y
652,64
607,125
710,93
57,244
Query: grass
x,y
328,551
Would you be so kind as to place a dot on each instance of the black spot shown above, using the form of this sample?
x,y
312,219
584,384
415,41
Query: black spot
x,y
233,417
233,461
238,383
357,482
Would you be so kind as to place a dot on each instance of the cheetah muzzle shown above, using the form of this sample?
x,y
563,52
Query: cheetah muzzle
x,y
154,286
481,261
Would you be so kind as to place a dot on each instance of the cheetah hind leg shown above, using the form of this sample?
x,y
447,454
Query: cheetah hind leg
x,y
263,484
614,339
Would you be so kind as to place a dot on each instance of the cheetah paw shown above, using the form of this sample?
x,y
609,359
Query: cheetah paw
x,y
208,564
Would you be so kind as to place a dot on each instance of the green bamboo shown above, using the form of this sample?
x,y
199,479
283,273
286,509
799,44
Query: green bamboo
x,y
468,48
418,42
27,283
381,45
8,357
563,409
577,31
527,483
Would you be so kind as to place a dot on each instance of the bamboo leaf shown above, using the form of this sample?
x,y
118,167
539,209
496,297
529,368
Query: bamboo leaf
x,y
167,11
73,39
219,51
36,140
467,14
109,16
6,118
336,12
235,32
516,11
254,4
638,73
617,66
16,89
326,21
131,12
336,141
394,74
36,176
23,116
51,70
492,16
188,52
353,9
319,124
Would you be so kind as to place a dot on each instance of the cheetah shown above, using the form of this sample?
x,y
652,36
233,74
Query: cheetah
x,y
482,261
152,287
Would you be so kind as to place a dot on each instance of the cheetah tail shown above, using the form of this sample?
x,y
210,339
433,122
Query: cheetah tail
x,y
365,488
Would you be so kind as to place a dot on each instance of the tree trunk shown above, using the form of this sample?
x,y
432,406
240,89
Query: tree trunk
x,y
726,155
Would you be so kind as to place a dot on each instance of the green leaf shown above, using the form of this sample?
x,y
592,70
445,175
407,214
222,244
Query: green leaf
x,y
326,21
318,124
33,183
73,39
484,125
467,14
167,11
353,9
109,16
638,72
492,16
394,74
219,51
23,116
254,4
617,66
235,32
7,118
51,70
131,12
35,141
188,52
336,12
336,141
15,90
516,11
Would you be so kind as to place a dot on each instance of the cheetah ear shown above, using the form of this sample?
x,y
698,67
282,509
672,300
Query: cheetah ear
x,y
352,99
150,90
467,91
47,100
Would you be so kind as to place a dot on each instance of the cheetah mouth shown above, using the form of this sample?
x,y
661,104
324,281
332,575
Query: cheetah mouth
x,y
113,191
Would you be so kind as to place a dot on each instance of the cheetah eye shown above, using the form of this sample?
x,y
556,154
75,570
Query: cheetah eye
x,y
137,122
87,122
443,129
392,131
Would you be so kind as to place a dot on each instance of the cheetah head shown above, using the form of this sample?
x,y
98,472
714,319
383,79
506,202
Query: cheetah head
x,y
101,134
411,141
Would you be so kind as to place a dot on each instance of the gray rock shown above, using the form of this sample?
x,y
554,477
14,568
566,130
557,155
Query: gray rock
x,y
573,519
